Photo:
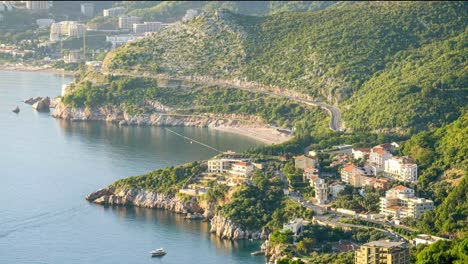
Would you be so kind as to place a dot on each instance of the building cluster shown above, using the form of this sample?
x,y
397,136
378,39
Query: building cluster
x,y
383,251
236,171
401,202
379,161
64,29
14,51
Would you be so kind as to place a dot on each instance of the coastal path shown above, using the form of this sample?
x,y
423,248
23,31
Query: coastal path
x,y
335,113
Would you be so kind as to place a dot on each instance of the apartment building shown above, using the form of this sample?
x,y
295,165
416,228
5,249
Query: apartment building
x,y
348,171
126,22
383,252
402,169
400,202
113,12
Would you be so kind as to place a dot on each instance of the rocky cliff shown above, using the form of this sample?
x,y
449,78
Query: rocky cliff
x,y
272,252
225,228
117,115
144,198
222,227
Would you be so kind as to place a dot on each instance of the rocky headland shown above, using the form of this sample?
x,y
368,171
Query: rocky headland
x,y
222,227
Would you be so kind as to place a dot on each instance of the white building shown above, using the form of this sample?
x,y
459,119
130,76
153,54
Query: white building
x,y
64,29
403,169
140,28
377,157
37,5
400,202
126,22
87,9
349,171
321,189
189,14
114,12
73,56
219,165
295,225
241,168
360,153
122,39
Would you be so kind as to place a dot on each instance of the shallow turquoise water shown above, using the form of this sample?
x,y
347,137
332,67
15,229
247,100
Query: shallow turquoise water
x,y
47,166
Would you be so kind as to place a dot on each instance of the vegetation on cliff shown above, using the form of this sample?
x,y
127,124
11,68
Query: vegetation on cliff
x,y
168,180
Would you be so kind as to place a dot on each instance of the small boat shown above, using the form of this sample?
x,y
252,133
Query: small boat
x,y
16,110
256,253
158,252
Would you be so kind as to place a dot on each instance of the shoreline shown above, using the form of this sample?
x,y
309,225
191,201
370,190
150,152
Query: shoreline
x,y
266,135
28,68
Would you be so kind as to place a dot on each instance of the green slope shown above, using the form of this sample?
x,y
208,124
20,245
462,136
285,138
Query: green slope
x,y
391,66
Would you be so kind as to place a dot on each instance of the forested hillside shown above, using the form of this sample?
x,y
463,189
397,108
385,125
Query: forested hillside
x,y
393,66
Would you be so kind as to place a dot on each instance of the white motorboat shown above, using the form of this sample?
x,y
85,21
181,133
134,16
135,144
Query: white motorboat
x,y
158,252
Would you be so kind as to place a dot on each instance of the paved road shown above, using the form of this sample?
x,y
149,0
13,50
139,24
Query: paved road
x,y
335,113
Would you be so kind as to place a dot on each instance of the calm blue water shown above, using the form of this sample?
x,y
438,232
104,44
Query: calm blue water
x,y
47,166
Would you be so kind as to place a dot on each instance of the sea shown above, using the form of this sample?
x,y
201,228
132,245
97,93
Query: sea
x,y
48,165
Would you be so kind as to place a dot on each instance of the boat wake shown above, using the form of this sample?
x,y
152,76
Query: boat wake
x,y
40,219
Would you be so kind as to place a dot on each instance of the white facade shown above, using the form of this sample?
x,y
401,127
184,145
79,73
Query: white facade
x,y
218,165
400,202
241,169
348,171
126,22
66,29
403,168
37,5
148,27
378,156
113,12
119,40
321,190
360,153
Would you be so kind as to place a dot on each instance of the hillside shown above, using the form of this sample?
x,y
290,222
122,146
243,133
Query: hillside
x,y
170,11
390,58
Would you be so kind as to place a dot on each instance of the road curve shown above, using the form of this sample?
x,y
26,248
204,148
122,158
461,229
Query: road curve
x,y
335,113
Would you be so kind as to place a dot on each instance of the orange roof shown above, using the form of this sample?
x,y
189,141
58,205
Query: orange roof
x,y
309,169
379,151
241,163
400,188
383,180
350,167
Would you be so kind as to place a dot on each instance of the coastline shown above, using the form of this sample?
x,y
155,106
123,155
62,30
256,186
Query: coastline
x,y
265,135
29,68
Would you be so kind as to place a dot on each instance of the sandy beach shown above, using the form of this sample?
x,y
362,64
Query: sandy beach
x,y
266,135
29,68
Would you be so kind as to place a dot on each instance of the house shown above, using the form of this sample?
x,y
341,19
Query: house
x,y
361,153
295,225
356,180
309,172
335,189
377,157
402,169
400,202
381,183
303,161
348,171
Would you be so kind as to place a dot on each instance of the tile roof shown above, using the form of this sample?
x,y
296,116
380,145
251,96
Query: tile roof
x,y
350,167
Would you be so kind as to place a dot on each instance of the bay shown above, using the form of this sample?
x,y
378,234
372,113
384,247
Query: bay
x,y
47,166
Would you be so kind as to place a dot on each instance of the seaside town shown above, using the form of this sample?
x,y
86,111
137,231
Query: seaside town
x,y
66,43
325,181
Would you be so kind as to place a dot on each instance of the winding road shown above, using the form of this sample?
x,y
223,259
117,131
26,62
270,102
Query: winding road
x,y
335,113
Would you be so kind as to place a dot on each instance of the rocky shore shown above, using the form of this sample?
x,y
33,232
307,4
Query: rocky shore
x,y
250,126
272,252
222,227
